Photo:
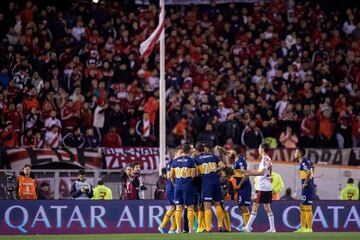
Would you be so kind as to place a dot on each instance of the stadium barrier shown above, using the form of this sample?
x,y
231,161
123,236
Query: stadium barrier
x,y
90,217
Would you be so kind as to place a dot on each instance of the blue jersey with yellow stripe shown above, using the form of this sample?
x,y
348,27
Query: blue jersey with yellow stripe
x,y
183,167
240,165
207,166
169,183
305,168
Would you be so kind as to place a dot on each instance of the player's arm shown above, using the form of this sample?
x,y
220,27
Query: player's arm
x,y
221,165
254,172
172,175
243,179
307,178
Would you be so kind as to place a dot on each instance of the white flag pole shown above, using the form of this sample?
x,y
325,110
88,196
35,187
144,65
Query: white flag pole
x,y
162,94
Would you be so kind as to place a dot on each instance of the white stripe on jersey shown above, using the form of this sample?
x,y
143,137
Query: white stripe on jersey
x,y
265,180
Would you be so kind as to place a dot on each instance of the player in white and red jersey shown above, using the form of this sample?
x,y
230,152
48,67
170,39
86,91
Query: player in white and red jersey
x,y
263,193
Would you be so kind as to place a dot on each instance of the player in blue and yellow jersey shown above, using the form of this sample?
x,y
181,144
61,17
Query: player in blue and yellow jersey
x,y
170,197
207,165
306,174
183,170
243,184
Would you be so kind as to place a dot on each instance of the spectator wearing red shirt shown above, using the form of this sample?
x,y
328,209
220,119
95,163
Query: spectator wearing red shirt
x,y
70,117
308,130
356,130
112,139
326,127
9,137
28,139
16,118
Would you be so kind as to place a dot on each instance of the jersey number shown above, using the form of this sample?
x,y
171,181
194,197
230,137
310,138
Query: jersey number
x,y
208,168
102,195
181,172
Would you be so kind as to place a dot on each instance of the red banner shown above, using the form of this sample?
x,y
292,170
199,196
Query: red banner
x,y
116,158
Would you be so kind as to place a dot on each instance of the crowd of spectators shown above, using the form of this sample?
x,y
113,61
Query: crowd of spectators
x,y
286,72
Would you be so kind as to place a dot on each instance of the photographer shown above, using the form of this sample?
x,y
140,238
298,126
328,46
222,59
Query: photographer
x,y
138,181
81,189
26,185
160,193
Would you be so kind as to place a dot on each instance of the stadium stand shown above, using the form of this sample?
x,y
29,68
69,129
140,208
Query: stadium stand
x,y
235,74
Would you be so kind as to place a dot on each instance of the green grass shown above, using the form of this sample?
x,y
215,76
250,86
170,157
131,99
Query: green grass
x,y
204,236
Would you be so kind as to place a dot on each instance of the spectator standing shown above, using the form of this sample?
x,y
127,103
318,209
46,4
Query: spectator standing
x,y
53,138
350,191
99,118
251,136
9,137
81,189
102,192
91,141
43,192
138,181
26,185
288,138
160,191
74,139
128,189
112,139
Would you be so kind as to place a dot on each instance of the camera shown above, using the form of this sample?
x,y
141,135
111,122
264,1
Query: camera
x,y
9,176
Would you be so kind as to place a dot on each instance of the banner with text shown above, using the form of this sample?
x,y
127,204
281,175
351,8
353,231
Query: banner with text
x,y
116,158
318,156
16,158
90,217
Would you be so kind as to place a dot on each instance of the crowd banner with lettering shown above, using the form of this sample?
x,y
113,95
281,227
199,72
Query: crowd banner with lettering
x,y
116,158
319,156
196,2
16,158
90,217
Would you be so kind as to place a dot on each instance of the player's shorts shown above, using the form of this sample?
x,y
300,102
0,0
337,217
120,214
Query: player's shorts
x,y
212,192
170,197
184,197
244,196
263,196
307,195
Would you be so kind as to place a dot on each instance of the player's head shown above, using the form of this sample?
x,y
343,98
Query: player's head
x,y
350,181
300,153
200,146
264,148
101,182
208,148
186,148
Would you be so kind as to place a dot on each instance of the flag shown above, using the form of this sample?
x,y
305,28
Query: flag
x,y
148,45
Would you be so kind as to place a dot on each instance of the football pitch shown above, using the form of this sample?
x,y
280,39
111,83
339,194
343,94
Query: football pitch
x,y
203,236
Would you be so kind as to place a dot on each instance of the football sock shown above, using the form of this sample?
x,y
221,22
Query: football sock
x,y
271,220
227,220
208,219
302,216
309,216
251,220
166,219
201,220
245,217
178,217
173,222
219,215
190,217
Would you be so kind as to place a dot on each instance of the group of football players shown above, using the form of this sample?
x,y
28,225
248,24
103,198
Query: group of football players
x,y
193,186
